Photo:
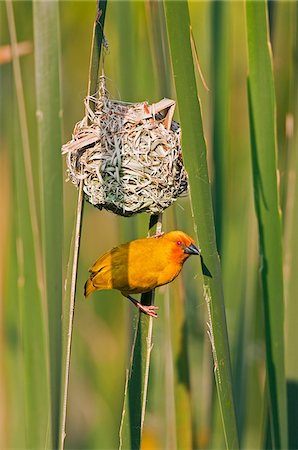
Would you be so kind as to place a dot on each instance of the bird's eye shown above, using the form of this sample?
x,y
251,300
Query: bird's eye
x,y
179,243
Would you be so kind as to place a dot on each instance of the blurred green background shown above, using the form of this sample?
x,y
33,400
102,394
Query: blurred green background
x,y
103,326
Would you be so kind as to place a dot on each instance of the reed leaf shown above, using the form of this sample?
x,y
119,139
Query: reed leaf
x,y
47,77
290,136
221,69
194,154
285,53
220,91
291,291
29,272
264,150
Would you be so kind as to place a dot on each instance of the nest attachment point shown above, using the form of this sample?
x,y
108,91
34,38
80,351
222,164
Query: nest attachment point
x,y
128,155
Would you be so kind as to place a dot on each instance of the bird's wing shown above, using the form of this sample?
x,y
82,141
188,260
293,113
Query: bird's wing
x,y
109,271
102,262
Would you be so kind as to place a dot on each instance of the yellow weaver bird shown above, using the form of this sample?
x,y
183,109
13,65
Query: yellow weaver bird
x,y
141,265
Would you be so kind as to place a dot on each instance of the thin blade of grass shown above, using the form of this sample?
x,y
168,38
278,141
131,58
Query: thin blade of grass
x,y
68,311
96,46
71,282
264,150
194,155
47,77
137,377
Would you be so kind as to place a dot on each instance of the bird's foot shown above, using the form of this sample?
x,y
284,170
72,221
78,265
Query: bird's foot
x,y
157,235
148,309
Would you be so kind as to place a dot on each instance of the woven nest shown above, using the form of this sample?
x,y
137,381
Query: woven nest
x,y
128,155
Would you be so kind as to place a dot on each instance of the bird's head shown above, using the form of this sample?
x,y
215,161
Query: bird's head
x,y
182,245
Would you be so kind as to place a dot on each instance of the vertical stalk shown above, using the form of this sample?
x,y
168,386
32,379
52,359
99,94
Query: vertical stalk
x,y
262,111
194,154
137,377
73,285
96,47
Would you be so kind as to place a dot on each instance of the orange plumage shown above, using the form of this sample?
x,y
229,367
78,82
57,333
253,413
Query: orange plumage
x,y
141,265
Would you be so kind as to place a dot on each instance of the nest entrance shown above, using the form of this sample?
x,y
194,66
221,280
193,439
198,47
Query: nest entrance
x,y
128,155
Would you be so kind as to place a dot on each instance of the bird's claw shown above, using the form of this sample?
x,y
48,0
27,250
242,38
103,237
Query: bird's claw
x,y
157,235
149,310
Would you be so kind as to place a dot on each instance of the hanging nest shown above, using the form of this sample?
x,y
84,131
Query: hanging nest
x,y
128,155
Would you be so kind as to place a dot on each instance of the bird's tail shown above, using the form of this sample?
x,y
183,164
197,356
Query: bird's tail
x,y
89,288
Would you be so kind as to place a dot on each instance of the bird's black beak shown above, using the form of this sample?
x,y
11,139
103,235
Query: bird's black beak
x,y
191,250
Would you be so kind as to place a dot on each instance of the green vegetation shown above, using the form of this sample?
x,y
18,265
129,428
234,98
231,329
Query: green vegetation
x,y
264,151
195,159
48,114
218,368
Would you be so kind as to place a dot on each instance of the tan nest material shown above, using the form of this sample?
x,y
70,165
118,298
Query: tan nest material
x,y
128,155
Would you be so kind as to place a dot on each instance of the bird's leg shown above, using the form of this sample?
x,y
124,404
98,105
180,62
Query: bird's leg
x,y
146,309
157,235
